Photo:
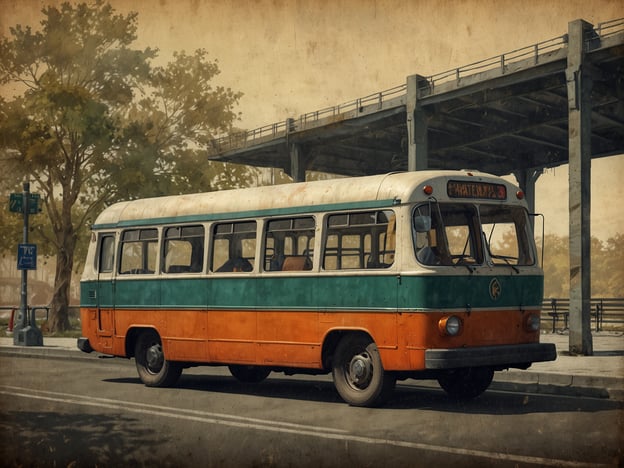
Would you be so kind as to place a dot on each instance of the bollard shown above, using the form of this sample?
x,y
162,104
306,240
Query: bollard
x,y
11,320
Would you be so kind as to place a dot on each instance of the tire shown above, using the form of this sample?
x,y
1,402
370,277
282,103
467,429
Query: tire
x,y
466,384
249,374
154,370
358,373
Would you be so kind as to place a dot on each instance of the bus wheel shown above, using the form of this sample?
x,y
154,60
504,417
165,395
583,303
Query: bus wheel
x,y
154,370
358,374
249,374
468,383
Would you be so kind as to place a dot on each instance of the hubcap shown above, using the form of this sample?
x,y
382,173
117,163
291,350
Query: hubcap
x,y
360,371
154,358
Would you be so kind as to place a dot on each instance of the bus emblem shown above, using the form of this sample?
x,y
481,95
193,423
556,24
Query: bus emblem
x,y
495,289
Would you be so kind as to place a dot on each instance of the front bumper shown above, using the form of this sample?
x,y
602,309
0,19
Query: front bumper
x,y
491,356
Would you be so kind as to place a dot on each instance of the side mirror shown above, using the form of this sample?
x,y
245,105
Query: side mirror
x,y
422,223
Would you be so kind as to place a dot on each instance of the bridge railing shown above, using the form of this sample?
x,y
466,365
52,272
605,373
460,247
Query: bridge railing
x,y
606,313
245,138
610,28
502,62
356,105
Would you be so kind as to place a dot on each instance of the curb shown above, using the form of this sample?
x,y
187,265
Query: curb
x,y
541,383
47,352
546,383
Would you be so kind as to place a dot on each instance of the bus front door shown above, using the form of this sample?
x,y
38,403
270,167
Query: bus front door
x,y
106,291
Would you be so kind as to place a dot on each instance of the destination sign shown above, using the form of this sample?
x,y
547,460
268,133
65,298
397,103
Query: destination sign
x,y
462,189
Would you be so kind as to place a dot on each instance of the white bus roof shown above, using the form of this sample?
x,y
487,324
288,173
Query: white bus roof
x,y
357,192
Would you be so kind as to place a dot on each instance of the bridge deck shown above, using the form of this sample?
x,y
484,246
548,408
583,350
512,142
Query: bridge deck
x,y
502,114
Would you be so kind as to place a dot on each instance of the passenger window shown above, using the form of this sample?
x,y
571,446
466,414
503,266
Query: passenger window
x,y
360,240
139,248
183,249
289,244
107,254
233,247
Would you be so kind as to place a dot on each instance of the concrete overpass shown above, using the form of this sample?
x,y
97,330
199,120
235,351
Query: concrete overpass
x,y
557,102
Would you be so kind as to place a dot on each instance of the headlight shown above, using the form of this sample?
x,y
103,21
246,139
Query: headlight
x,y
450,326
532,323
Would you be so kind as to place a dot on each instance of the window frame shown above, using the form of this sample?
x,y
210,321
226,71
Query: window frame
x,y
181,237
275,262
237,267
353,226
144,248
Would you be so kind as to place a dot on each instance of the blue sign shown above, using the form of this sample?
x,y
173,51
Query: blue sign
x,y
27,257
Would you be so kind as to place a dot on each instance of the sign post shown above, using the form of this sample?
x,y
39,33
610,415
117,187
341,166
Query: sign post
x,y
25,332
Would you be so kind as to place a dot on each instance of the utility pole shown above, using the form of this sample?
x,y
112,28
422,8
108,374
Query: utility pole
x,y
25,332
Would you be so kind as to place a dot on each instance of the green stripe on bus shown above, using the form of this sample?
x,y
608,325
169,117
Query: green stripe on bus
x,y
321,292
203,217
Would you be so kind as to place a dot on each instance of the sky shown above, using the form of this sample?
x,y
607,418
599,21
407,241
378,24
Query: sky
x,y
290,57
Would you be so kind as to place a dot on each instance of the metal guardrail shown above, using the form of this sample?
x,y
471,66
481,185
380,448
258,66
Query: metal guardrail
x,y
357,105
31,314
243,139
609,28
500,62
606,313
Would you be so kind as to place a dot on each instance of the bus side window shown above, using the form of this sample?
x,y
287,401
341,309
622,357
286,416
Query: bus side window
x,y
233,247
360,240
139,248
106,259
289,244
183,249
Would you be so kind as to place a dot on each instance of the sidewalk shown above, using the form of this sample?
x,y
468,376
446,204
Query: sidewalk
x,y
600,375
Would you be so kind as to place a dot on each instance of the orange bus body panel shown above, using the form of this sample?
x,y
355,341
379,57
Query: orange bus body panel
x,y
295,338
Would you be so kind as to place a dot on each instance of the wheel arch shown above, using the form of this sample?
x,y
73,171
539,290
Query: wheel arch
x,y
132,335
331,340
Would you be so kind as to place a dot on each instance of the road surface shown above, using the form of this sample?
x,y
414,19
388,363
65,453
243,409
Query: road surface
x,y
95,411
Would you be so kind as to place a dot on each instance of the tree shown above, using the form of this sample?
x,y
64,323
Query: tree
x,y
96,122
607,270
608,267
556,266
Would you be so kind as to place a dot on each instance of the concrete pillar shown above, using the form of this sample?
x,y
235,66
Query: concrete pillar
x,y
526,180
297,166
417,151
579,135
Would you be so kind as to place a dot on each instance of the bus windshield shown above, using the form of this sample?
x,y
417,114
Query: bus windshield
x,y
453,234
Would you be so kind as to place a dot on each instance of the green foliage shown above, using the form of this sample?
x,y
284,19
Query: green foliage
x,y
556,266
607,267
95,122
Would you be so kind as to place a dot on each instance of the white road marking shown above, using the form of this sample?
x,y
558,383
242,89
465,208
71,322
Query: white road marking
x,y
180,413
276,426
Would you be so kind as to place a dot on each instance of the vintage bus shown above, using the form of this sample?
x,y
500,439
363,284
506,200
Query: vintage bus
x,y
424,275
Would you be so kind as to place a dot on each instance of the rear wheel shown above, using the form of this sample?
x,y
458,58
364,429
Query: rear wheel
x,y
249,374
468,383
154,370
358,373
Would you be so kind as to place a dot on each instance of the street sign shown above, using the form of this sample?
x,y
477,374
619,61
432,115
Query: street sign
x,y
16,203
27,257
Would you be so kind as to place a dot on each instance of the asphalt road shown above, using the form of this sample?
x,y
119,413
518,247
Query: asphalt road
x,y
95,412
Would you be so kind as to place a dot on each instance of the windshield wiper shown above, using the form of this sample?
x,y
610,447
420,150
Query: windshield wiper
x,y
507,261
